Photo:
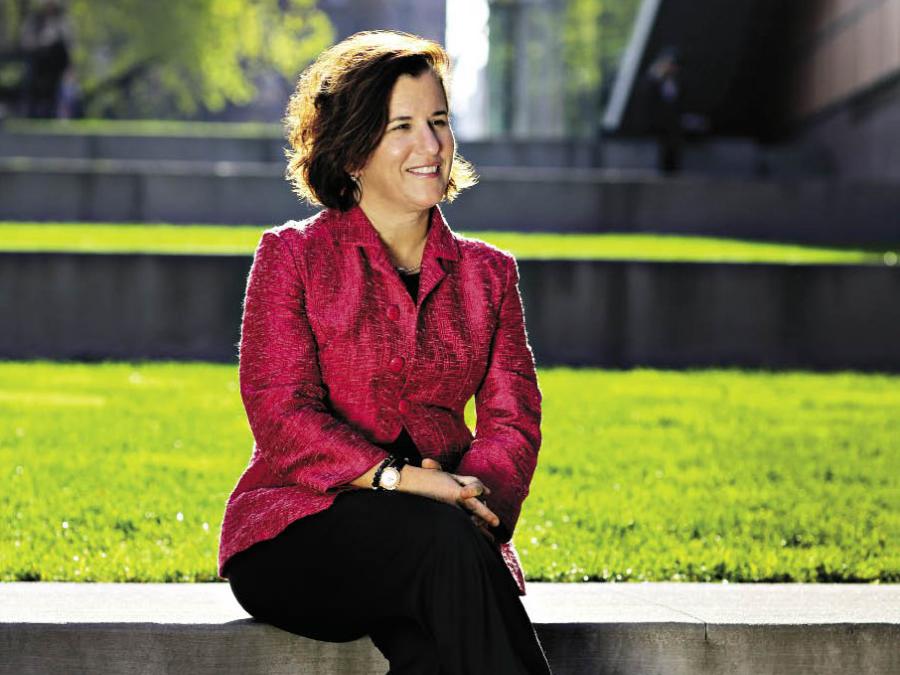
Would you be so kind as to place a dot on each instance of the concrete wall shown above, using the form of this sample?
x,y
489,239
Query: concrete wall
x,y
268,148
624,314
145,191
729,156
120,306
532,199
591,313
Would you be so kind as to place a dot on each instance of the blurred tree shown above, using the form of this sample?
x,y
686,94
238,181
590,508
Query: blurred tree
x,y
595,34
139,58
552,63
12,69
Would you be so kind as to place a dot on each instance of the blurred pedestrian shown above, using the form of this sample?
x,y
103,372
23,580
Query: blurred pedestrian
x,y
666,106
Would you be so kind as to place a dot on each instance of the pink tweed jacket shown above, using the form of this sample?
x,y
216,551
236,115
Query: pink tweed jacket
x,y
336,357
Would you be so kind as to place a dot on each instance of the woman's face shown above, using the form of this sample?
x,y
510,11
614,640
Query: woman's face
x,y
410,167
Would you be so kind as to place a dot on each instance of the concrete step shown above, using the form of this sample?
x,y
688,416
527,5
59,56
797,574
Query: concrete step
x,y
647,628
812,210
224,147
718,155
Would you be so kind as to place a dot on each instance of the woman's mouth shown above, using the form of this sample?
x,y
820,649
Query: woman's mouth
x,y
425,171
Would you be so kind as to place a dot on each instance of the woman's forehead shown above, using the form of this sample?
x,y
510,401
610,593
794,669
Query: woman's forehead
x,y
422,94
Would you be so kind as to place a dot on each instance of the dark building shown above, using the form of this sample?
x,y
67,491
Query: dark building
x,y
821,77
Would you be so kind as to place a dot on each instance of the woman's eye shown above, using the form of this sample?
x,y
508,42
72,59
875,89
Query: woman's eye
x,y
406,125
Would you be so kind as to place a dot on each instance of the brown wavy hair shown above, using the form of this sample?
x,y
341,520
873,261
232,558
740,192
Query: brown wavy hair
x,y
338,113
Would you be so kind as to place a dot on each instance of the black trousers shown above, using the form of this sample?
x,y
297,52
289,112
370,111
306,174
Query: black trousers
x,y
415,574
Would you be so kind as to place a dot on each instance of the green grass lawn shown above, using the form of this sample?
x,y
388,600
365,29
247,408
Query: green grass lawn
x,y
120,472
209,239
100,127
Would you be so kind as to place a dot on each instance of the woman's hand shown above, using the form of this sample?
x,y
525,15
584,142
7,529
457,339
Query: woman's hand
x,y
471,498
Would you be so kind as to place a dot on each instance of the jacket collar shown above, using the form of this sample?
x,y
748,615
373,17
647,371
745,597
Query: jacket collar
x,y
354,227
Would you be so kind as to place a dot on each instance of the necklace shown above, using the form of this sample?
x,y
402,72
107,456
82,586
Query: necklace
x,y
408,270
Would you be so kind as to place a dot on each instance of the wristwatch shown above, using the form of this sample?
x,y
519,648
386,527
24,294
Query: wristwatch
x,y
387,477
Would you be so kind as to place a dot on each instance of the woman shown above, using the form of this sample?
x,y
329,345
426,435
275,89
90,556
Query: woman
x,y
367,506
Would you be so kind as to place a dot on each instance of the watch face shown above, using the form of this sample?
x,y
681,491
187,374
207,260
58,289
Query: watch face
x,y
389,478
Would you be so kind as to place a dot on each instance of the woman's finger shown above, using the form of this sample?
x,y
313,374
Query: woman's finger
x,y
482,511
471,480
484,489
475,488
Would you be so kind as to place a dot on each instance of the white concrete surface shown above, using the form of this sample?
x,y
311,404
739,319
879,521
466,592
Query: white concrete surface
x,y
624,628
750,604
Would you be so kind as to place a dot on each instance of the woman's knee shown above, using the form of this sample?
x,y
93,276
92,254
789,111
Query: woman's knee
x,y
453,530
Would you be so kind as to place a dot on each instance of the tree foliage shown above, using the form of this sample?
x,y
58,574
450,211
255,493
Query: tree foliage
x,y
594,36
579,42
134,57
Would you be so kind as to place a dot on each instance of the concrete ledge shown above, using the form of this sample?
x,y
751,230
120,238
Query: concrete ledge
x,y
687,628
534,199
719,155
261,148
618,314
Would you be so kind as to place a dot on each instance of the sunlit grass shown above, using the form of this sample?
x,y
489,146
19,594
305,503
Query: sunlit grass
x,y
120,472
102,127
242,240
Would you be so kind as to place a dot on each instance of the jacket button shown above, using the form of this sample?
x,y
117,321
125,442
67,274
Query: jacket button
x,y
396,364
403,406
393,312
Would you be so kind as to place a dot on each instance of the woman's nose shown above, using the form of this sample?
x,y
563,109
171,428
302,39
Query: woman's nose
x,y
429,141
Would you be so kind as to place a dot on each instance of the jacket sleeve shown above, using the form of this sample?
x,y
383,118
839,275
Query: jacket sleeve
x,y
508,415
280,382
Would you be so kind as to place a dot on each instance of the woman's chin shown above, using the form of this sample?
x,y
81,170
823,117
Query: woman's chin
x,y
411,196
437,193
425,200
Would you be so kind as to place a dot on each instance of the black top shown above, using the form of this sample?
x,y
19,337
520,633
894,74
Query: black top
x,y
411,281
403,445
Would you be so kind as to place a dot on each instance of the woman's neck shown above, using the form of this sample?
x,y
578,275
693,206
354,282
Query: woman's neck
x,y
404,234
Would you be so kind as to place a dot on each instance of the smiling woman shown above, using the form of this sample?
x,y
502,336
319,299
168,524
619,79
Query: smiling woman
x,y
409,170
334,123
368,505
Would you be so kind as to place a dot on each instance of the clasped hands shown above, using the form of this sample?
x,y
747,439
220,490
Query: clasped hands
x,y
470,498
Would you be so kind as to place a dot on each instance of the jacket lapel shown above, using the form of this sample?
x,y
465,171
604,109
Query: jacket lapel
x,y
439,245
356,229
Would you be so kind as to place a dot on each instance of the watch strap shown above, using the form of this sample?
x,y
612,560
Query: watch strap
x,y
376,479
389,461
